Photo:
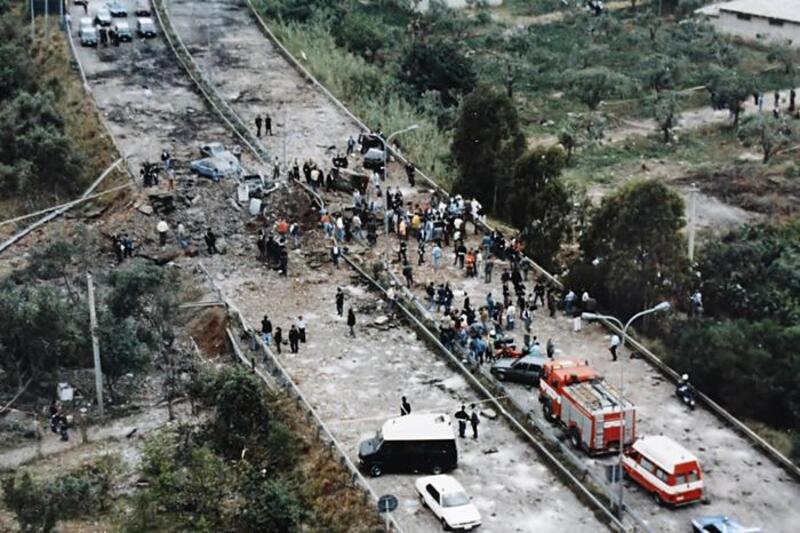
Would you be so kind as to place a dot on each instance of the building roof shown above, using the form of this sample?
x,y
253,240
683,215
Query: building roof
x,y
663,451
788,10
418,427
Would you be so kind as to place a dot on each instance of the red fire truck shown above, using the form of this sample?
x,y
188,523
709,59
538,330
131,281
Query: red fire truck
x,y
665,469
576,397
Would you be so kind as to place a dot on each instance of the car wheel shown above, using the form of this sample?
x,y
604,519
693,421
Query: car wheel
x,y
501,376
375,471
548,412
422,500
445,525
575,438
657,499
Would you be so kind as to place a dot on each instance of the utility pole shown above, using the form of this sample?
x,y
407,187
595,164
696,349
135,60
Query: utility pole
x,y
692,220
33,26
46,19
98,371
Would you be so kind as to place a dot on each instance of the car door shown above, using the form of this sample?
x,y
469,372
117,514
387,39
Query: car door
x,y
432,498
517,372
533,373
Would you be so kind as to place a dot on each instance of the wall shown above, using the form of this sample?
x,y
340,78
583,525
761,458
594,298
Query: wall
x,y
757,28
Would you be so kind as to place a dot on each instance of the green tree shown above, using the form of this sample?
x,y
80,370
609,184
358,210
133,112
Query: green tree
x,y
593,85
729,90
568,137
633,254
241,411
438,66
753,272
271,506
771,134
361,34
34,149
661,72
121,350
666,113
486,143
41,331
726,357
783,54
540,205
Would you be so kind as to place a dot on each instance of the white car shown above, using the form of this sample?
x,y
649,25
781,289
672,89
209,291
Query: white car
x,y
449,502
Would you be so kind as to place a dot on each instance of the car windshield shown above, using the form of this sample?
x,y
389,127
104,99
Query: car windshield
x,y
454,499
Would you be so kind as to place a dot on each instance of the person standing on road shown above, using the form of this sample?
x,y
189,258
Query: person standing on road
x,y
410,171
335,253
162,228
211,242
551,348
258,126
613,343
294,338
351,321
462,418
551,304
267,124
474,420
300,324
339,301
408,273
436,253
278,339
266,330
405,407
488,266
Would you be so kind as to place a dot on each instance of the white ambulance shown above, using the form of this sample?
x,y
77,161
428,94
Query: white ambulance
x,y
665,469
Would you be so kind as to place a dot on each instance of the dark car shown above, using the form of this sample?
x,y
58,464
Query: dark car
x,y
521,370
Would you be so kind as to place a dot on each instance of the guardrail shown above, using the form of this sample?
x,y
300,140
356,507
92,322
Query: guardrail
x,y
715,408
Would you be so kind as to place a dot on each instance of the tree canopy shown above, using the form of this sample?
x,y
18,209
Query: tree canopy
x,y
438,66
540,204
633,254
486,143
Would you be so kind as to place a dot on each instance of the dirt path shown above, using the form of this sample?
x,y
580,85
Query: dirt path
x,y
502,14
51,444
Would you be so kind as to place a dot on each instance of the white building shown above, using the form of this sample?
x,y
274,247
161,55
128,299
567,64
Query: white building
x,y
758,20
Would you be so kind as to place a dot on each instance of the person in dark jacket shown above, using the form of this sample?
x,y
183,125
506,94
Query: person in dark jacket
x,y
405,407
462,418
339,301
294,339
351,321
474,420
278,339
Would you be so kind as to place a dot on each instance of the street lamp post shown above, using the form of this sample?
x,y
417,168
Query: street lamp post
x,y
385,143
662,307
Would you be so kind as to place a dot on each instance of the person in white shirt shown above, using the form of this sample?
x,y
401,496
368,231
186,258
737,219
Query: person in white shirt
x,y
613,343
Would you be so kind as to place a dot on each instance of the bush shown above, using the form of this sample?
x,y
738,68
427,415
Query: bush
x,y
438,66
84,491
